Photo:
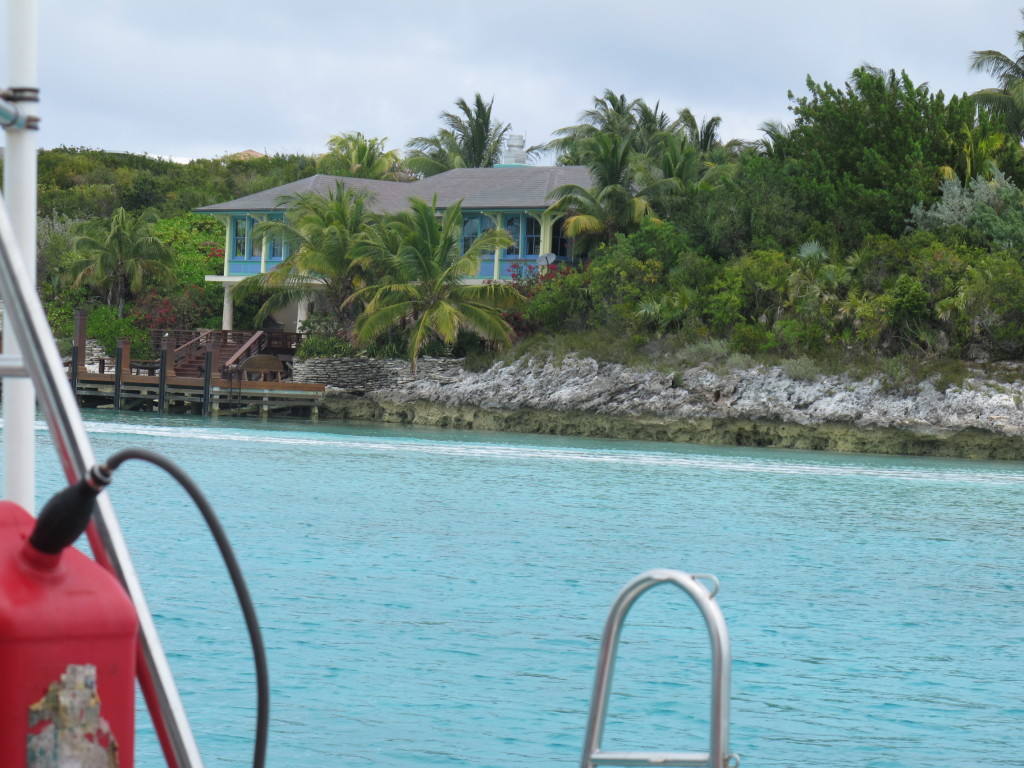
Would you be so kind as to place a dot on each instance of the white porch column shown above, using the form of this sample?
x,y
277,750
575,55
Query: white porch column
x,y
547,231
227,244
227,318
496,272
301,314
263,250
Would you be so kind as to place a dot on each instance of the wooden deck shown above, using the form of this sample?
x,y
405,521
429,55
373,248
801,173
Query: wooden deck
x,y
189,395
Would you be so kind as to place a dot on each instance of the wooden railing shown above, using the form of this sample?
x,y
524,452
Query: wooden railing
x,y
175,337
256,344
272,342
192,348
282,341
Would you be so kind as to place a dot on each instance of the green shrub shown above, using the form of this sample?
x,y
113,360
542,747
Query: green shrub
x,y
713,352
619,281
597,344
107,328
738,361
321,324
469,344
386,349
751,338
317,345
801,369
60,311
897,376
799,336
751,288
559,304
434,347
985,211
478,362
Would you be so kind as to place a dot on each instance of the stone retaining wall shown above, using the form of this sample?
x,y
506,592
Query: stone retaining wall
x,y
357,375
93,352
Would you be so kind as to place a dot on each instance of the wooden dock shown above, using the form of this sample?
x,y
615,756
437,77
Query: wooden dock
x,y
208,372
219,396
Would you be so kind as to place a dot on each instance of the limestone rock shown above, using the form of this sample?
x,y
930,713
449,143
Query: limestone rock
x,y
756,406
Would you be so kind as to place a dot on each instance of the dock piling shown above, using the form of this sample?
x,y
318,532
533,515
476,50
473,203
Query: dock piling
x,y
208,378
117,377
161,400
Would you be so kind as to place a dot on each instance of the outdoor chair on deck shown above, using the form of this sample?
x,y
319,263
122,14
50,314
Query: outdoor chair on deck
x,y
262,368
147,367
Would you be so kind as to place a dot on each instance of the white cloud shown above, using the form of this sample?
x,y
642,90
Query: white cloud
x,y
201,78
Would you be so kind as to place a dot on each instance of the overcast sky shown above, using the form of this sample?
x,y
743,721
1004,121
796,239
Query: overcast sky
x,y
204,78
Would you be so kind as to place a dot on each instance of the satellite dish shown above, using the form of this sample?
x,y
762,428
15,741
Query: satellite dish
x,y
546,259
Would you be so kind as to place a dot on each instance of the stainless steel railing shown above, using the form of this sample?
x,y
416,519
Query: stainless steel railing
x,y
40,361
717,755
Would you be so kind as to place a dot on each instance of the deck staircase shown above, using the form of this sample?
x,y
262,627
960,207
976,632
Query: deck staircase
x,y
230,349
190,357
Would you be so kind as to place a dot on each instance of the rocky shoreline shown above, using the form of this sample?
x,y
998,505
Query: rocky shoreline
x,y
761,406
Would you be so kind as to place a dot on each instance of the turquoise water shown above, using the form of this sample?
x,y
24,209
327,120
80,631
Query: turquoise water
x,y
436,597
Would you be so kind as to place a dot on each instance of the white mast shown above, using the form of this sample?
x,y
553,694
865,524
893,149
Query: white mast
x,y
37,356
20,177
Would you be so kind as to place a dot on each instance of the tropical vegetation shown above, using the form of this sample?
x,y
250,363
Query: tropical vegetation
x,y
1007,99
470,138
357,157
117,255
322,234
423,287
885,221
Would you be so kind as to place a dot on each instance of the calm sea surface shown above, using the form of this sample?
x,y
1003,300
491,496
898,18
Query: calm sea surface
x,y
437,597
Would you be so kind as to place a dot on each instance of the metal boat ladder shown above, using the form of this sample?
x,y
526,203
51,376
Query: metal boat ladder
x,y
718,755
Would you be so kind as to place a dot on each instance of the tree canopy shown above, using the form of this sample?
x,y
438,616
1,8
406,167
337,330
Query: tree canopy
x,y
323,236
1006,100
884,218
424,285
863,154
356,157
471,138
117,255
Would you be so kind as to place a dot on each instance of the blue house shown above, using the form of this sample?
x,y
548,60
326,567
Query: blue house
x,y
512,197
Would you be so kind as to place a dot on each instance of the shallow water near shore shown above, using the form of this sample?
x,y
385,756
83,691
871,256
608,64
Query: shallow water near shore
x,y
437,597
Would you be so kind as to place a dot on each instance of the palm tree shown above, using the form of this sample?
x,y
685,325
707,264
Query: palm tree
x,y
471,138
1008,99
116,255
775,134
621,197
643,126
426,284
817,284
612,113
655,146
357,157
705,136
431,155
678,158
976,148
323,234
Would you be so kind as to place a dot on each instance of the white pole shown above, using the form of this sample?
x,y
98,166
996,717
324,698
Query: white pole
x,y
20,178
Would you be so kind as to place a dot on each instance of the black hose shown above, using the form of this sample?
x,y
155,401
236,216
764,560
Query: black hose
x,y
252,624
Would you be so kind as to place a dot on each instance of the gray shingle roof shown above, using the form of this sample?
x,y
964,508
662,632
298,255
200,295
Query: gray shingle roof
x,y
479,188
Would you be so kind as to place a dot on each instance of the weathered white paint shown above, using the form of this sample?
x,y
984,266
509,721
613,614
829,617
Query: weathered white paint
x,y
20,181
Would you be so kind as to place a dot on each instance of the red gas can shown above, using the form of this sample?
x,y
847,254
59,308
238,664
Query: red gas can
x,y
67,656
